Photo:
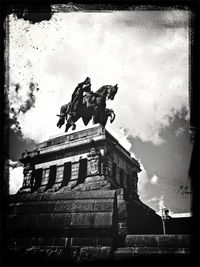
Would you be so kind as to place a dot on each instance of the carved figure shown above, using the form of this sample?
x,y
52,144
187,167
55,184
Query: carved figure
x,y
87,106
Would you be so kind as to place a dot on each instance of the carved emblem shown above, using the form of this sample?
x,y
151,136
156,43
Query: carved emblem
x,y
28,169
93,162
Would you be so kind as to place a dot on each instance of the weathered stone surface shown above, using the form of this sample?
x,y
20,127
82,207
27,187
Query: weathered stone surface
x,y
83,205
122,228
82,220
106,241
92,241
65,195
103,205
94,253
62,241
33,207
158,240
22,197
50,221
122,210
87,221
59,195
42,241
175,240
94,178
97,185
84,241
103,219
42,188
17,222
74,206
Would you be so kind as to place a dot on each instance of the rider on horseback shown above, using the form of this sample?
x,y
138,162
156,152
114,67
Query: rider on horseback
x,y
81,87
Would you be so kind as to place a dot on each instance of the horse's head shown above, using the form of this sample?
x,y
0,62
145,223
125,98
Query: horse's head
x,y
87,85
112,90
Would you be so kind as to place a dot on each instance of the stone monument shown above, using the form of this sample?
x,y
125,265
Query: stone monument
x,y
79,200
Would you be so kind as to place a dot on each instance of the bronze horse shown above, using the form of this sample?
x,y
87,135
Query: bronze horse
x,y
91,105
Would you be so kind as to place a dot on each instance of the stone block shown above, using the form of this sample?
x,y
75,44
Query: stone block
x,y
15,198
50,221
41,241
82,220
105,241
42,188
174,240
64,206
141,241
158,240
103,220
74,253
84,241
18,242
94,253
96,185
84,205
12,208
122,228
29,197
92,241
17,222
59,195
96,194
41,207
122,210
148,251
104,205
92,179
62,241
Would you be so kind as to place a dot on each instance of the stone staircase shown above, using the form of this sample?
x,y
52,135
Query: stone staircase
x,y
74,226
148,245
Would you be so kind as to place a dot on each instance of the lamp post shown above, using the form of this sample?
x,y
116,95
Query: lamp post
x,y
164,216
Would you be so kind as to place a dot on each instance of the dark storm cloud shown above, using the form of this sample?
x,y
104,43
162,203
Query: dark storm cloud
x,y
170,162
30,101
24,104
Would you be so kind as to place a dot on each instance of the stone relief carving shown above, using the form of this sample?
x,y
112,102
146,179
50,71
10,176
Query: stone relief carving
x,y
94,160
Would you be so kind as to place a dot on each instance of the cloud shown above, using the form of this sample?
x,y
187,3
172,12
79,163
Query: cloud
x,y
15,179
161,205
153,199
150,64
14,164
143,179
154,179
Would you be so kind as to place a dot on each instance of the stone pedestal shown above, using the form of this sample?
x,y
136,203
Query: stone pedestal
x,y
79,197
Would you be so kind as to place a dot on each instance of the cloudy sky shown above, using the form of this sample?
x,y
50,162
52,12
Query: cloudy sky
x,y
145,52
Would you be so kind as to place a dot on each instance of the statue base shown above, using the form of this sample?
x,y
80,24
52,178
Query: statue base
x,y
80,199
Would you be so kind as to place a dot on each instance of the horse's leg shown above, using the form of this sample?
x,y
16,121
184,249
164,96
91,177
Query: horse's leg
x,y
103,117
61,121
62,116
71,122
68,125
86,120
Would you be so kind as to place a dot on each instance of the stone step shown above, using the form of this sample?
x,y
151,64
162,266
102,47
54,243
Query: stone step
x,y
127,252
158,241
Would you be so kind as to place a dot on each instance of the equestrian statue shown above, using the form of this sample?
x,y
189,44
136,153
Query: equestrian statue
x,y
88,105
